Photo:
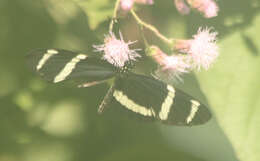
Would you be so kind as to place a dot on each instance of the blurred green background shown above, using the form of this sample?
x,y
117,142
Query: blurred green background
x,y
45,122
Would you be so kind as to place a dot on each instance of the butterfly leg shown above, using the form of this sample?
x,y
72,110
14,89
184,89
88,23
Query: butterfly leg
x,y
88,84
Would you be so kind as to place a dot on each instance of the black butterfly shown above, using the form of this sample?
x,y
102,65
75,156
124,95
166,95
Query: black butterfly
x,y
143,96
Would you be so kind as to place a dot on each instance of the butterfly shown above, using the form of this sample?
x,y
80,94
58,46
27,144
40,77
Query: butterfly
x,y
142,96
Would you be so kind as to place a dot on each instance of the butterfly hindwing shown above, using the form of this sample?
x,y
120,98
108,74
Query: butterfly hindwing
x,y
57,65
151,99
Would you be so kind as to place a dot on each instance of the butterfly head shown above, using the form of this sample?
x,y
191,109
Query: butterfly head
x,y
122,71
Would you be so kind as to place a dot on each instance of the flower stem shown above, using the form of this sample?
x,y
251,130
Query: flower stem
x,y
114,15
151,28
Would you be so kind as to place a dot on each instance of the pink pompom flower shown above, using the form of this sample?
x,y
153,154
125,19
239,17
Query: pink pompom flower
x,y
171,67
149,2
207,7
127,5
116,51
182,7
202,49
211,9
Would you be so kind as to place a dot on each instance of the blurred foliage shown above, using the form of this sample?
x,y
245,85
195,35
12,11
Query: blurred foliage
x,y
97,10
45,122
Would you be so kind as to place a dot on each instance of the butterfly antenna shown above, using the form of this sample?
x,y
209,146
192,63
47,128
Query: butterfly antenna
x,y
107,99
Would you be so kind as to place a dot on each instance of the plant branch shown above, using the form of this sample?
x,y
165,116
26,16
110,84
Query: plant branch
x,y
151,28
114,15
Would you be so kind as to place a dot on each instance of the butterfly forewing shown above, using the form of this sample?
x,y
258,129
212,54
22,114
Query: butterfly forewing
x,y
151,99
57,65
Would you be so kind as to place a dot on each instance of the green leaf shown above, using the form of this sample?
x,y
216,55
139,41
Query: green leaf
x,y
97,10
232,87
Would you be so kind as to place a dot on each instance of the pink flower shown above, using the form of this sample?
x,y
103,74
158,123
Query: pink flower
x,y
127,5
171,67
149,2
211,9
182,7
202,49
116,51
207,7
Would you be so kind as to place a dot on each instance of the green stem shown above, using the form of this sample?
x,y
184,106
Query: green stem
x,y
151,28
114,15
